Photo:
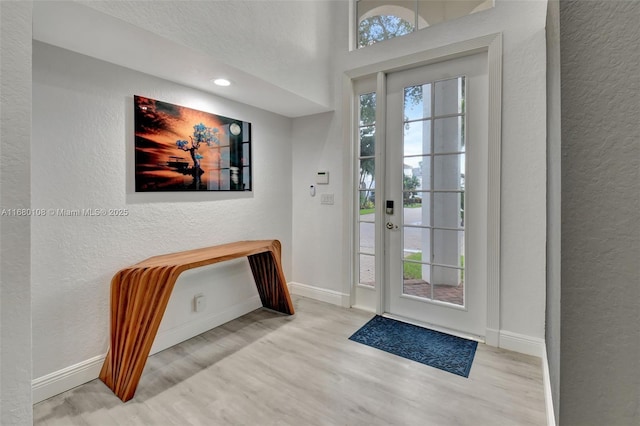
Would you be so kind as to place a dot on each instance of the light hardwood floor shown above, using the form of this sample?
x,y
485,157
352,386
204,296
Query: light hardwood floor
x,y
269,369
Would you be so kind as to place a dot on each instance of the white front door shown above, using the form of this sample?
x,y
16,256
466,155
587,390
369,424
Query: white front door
x,y
435,162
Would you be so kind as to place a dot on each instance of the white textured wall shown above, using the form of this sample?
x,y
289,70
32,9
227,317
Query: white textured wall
x,y
600,350
82,158
15,132
318,230
523,156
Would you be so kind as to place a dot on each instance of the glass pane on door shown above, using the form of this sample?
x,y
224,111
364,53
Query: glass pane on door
x,y
367,241
449,96
367,273
367,174
433,191
417,213
366,192
450,207
447,135
448,247
414,238
448,285
448,171
417,102
417,138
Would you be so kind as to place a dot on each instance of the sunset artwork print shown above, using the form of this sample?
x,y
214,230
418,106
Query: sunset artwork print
x,y
182,149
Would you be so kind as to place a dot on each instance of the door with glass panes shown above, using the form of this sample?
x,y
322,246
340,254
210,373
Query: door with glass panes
x,y
431,257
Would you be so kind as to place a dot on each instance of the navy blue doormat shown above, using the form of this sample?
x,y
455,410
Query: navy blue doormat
x,y
439,350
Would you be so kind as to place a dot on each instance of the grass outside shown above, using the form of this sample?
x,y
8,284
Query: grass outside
x,y
406,206
413,271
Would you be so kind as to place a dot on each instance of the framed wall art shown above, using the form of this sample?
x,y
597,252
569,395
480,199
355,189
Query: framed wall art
x,y
183,149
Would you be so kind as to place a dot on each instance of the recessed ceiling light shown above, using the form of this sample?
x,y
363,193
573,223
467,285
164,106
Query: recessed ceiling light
x,y
221,82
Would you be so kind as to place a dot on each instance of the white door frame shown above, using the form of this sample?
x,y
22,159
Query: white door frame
x,y
492,45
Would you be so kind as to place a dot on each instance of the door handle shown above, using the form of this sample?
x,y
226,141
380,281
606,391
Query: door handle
x,y
391,226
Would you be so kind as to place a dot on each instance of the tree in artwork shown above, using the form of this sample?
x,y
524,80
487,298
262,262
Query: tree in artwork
x,y
201,134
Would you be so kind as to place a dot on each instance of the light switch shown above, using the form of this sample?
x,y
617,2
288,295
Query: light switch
x,y
326,199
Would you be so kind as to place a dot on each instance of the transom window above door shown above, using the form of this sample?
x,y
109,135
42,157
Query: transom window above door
x,y
379,20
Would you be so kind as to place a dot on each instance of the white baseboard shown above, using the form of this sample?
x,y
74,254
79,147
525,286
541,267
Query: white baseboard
x,y
75,375
68,378
522,343
364,308
321,294
546,382
492,337
537,347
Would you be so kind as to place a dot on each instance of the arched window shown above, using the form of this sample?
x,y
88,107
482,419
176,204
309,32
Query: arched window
x,y
379,20
382,27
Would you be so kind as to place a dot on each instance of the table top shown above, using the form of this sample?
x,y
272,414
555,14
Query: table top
x,y
208,255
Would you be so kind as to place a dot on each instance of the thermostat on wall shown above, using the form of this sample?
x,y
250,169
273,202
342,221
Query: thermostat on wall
x,y
322,178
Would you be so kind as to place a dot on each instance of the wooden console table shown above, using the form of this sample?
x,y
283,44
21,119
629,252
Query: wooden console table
x,y
140,293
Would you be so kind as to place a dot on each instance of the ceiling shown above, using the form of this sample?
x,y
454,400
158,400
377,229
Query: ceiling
x,y
81,29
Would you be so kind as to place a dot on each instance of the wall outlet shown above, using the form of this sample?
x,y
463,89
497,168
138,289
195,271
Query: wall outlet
x,y
199,303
